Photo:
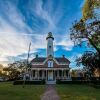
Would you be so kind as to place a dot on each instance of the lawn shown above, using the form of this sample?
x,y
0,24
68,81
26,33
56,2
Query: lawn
x,y
78,92
8,91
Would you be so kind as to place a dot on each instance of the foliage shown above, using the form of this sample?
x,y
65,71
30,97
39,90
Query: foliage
x,y
13,73
15,69
73,73
91,61
85,30
90,33
89,7
36,82
88,30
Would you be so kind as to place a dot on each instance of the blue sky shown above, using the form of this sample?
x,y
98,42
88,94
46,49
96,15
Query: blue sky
x,y
25,21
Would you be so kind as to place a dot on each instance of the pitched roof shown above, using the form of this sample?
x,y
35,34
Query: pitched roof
x,y
55,66
62,59
59,59
38,59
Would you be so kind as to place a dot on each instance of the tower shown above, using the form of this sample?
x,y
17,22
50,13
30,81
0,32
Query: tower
x,y
50,39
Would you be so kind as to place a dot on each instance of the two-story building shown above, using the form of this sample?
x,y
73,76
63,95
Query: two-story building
x,y
50,67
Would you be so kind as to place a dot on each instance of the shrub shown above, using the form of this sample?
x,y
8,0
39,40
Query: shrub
x,y
34,82
78,82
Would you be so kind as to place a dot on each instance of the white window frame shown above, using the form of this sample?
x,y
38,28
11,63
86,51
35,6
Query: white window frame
x,y
50,64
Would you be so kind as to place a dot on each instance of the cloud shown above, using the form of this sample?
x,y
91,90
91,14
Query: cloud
x,y
11,43
14,43
13,16
45,15
65,42
21,24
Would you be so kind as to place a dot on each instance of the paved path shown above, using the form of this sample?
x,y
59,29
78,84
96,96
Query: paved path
x,y
50,93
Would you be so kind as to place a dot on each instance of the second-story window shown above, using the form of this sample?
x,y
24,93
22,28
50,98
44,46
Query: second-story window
x,y
50,63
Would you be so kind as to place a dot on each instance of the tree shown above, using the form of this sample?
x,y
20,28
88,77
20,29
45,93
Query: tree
x,y
89,8
15,69
90,33
88,30
91,61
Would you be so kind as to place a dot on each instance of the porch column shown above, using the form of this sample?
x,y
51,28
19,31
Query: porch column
x,y
66,74
43,72
69,75
35,73
46,75
62,74
31,74
54,76
58,74
38,74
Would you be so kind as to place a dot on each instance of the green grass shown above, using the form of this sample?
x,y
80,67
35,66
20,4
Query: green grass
x,y
78,92
17,92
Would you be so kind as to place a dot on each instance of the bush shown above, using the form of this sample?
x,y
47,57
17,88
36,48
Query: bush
x,y
83,78
34,82
78,78
95,78
78,82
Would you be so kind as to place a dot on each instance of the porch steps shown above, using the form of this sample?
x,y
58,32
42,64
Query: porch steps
x,y
50,82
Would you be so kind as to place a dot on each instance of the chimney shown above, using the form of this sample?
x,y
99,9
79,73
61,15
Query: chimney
x,y
37,56
63,56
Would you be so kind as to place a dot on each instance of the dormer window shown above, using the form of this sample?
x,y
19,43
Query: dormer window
x,y
50,63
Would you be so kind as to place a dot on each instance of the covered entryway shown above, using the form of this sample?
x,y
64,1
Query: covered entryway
x,y
50,75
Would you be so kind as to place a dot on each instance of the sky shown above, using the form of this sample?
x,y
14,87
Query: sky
x,y
25,21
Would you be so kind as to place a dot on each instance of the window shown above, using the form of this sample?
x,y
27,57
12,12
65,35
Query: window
x,y
50,47
50,63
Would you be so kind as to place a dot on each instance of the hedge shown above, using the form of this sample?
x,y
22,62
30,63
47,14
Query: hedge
x,y
34,82
83,78
78,82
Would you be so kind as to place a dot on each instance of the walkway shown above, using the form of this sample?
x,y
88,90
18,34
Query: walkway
x,y
50,93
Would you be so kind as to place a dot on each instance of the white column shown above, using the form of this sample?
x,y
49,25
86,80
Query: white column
x,y
38,74
58,73
43,73
31,77
35,73
69,76
54,76
66,74
46,75
62,74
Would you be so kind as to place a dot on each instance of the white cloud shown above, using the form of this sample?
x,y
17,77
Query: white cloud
x,y
14,40
65,42
14,43
45,15
11,43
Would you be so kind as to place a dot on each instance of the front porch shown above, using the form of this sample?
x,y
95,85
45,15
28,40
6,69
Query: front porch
x,y
49,74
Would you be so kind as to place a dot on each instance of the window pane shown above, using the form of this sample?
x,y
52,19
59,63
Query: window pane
x,y
50,63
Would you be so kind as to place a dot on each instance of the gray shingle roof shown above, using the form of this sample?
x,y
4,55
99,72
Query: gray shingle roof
x,y
59,59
